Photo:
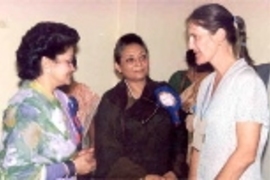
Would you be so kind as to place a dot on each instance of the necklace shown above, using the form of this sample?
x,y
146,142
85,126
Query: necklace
x,y
131,93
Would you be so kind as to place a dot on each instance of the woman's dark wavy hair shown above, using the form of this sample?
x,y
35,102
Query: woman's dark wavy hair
x,y
126,40
44,39
214,16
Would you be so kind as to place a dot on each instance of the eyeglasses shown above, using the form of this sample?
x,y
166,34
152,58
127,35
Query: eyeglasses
x,y
133,60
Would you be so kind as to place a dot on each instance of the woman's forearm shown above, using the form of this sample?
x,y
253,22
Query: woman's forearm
x,y
236,165
248,137
195,154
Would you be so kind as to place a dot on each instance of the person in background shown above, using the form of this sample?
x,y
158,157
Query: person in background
x,y
264,72
87,104
40,138
232,115
187,83
135,137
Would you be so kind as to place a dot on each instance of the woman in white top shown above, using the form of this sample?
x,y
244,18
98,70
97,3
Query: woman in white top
x,y
231,122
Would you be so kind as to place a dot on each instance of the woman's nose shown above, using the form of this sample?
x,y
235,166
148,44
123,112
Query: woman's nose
x,y
138,61
190,44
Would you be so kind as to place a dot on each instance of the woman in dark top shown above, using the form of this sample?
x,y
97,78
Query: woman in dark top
x,y
135,137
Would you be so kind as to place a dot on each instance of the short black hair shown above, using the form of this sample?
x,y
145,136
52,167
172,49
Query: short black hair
x,y
44,39
125,40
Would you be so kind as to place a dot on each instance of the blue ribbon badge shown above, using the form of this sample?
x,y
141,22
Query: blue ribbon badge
x,y
170,101
73,106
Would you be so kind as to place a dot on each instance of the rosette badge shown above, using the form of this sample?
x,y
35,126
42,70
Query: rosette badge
x,y
73,106
170,101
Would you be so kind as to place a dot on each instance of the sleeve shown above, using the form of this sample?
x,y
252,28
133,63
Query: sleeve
x,y
179,81
174,81
111,161
252,102
19,157
55,171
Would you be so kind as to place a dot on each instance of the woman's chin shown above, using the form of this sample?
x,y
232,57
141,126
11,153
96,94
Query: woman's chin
x,y
137,79
201,62
66,83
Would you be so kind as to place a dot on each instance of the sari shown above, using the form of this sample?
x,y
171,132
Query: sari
x,y
87,106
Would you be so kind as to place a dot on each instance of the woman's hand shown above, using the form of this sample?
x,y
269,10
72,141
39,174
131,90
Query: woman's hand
x,y
153,177
85,162
170,176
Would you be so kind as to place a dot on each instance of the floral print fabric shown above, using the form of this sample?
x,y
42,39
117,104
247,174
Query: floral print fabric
x,y
37,131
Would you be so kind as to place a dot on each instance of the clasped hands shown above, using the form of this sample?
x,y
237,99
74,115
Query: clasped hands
x,y
168,176
85,161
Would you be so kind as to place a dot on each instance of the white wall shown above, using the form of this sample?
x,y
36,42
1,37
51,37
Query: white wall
x,y
101,22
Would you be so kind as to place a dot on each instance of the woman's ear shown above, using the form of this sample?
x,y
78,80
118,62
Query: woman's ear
x,y
46,64
220,35
117,68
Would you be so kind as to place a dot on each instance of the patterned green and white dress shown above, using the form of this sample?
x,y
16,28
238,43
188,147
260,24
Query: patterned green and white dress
x,y
37,132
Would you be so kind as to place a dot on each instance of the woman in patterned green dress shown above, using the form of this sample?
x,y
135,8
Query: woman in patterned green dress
x,y
40,136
